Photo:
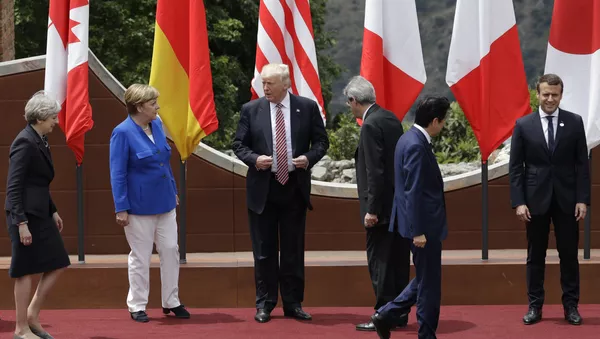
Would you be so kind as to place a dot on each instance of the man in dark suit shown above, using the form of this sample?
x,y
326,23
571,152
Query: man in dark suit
x,y
419,214
388,254
280,137
550,182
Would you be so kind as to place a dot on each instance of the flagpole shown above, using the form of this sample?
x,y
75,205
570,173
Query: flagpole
x,y
80,229
182,213
484,202
587,231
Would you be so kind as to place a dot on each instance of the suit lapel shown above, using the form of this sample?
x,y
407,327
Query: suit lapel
x,y
43,149
559,128
294,121
538,130
264,117
431,156
143,134
371,109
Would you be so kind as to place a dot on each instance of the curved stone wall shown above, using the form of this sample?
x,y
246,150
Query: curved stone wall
x,y
217,215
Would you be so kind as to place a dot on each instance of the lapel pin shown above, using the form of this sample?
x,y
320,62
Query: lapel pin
x,y
298,110
562,124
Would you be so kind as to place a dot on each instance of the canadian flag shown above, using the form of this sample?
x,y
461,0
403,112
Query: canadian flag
x,y
485,70
67,69
574,55
392,59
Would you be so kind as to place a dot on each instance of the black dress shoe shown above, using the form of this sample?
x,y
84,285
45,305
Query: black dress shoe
x,y
381,326
402,321
297,313
533,316
262,315
572,316
366,327
140,316
179,311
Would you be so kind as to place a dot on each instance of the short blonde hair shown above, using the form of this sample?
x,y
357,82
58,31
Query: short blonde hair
x,y
280,70
138,94
40,107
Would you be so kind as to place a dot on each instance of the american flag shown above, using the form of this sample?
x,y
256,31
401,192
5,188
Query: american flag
x,y
285,35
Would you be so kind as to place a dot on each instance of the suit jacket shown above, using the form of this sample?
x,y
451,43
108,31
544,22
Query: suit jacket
x,y
30,172
254,137
419,205
140,173
374,156
536,174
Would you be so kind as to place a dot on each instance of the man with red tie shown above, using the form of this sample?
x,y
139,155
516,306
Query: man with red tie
x,y
279,137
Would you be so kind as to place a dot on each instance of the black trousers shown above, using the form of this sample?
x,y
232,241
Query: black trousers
x,y
566,231
280,226
388,257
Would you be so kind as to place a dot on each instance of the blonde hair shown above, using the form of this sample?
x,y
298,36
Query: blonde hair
x,y
138,94
280,70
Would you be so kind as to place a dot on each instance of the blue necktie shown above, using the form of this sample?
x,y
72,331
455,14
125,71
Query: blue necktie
x,y
550,134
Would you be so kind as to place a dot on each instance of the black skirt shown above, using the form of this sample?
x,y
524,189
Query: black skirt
x,y
45,253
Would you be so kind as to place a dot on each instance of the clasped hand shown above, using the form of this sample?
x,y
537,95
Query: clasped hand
x,y
264,162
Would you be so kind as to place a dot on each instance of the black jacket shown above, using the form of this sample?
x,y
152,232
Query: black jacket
x,y
536,174
30,171
374,157
254,137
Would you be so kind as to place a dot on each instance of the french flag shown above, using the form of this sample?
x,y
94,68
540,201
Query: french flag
x,y
574,55
485,70
392,59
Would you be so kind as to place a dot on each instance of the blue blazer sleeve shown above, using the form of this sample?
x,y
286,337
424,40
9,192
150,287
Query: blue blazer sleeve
x,y
119,156
415,184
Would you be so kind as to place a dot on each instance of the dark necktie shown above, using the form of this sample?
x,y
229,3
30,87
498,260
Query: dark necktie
x,y
550,134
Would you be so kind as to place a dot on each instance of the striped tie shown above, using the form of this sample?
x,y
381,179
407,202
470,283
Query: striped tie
x,y
282,174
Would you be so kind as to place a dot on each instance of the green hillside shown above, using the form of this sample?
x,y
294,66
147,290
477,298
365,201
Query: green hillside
x,y
345,18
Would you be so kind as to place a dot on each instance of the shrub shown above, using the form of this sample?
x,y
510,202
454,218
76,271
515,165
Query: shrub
x,y
343,137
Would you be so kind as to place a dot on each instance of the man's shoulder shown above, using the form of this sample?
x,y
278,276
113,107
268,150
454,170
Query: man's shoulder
x,y
253,104
302,100
528,117
410,140
568,114
381,116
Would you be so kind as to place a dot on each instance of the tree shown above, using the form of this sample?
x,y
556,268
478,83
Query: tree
x,y
7,30
122,35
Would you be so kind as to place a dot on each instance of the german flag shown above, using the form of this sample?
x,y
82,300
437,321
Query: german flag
x,y
181,73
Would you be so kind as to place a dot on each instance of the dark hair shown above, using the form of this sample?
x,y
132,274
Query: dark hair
x,y
552,80
430,108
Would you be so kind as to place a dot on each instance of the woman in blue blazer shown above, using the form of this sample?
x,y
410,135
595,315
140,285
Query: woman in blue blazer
x,y
145,197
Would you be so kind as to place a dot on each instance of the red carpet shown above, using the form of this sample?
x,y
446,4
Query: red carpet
x,y
456,322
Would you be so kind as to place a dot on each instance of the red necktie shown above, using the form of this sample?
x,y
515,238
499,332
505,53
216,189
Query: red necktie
x,y
282,174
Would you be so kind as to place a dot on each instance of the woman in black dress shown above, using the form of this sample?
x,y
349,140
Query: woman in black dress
x,y
34,225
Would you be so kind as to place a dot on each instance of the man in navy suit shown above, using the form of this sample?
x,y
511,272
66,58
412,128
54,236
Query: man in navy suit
x,y
280,137
550,182
419,214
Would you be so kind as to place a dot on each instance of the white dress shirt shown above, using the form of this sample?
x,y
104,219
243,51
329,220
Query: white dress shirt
x,y
365,113
288,131
427,136
543,116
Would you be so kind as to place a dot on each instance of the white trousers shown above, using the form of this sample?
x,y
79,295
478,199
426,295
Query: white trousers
x,y
142,232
